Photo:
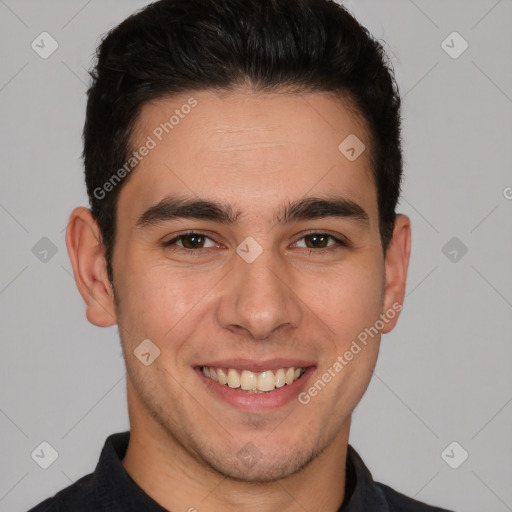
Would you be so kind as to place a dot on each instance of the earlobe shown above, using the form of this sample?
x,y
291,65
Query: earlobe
x,y
396,265
83,241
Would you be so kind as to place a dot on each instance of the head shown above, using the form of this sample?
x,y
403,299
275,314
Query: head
x,y
270,129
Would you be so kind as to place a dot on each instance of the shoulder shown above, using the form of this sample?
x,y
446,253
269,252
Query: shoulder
x,y
77,497
401,503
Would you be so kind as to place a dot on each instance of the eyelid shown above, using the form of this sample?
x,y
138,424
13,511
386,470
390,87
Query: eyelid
x,y
176,237
338,236
340,240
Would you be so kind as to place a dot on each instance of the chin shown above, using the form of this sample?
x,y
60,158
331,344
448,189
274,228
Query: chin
x,y
249,465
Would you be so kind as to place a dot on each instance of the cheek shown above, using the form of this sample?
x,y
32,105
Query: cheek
x,y
157,301
348,299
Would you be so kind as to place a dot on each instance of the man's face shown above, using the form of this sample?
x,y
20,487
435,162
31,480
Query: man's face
x,y
256,294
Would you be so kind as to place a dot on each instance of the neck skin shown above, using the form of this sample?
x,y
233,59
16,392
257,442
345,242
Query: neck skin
x,y
179,482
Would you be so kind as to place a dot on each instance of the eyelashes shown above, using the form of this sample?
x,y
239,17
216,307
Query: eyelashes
x,y
198,237
189,234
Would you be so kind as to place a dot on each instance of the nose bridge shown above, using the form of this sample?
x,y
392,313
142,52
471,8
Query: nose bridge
x,y
259,298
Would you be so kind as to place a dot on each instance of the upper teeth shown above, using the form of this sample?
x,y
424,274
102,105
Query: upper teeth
x,y
250,381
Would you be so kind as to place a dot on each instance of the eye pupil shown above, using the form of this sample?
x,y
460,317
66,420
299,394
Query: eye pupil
x,y
197,238
316,237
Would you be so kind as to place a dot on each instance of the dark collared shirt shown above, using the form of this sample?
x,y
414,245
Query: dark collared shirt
x,y
111,489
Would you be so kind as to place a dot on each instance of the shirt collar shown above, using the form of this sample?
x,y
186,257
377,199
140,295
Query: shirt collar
x,y
116,490
366,496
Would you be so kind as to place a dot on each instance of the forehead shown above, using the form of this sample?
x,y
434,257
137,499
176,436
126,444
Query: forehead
x,y
251,147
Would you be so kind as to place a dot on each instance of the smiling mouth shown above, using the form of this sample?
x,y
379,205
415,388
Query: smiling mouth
x,y
253,382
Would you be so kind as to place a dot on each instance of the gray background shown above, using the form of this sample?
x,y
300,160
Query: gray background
x,y
444,372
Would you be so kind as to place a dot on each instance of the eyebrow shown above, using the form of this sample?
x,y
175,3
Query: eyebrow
x,y
180,207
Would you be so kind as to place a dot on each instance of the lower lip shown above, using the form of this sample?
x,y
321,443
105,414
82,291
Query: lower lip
x,y
257,401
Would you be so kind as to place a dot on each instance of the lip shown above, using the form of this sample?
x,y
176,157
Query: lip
x,y
257,402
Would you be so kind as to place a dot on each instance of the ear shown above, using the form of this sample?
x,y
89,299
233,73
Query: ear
x,y
87,255
396,265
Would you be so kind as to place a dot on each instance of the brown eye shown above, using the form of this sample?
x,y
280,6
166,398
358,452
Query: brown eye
x,y
190,241
317,240
320,242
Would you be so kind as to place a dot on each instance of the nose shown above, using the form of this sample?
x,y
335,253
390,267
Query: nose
x,y
259,298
